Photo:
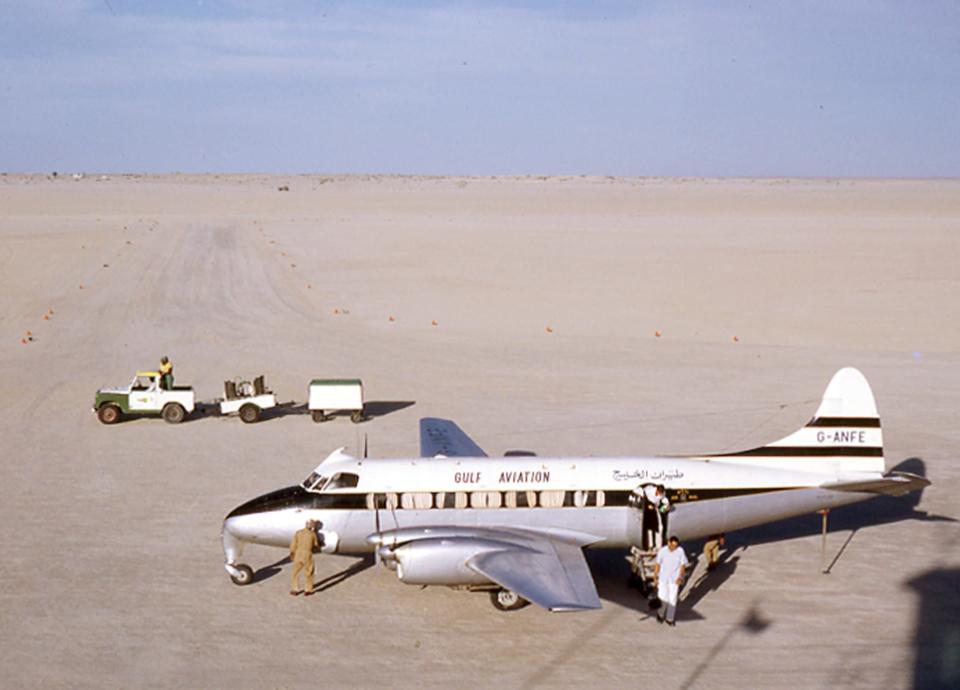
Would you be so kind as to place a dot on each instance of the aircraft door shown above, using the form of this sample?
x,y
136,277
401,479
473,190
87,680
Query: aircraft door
x,y
649,515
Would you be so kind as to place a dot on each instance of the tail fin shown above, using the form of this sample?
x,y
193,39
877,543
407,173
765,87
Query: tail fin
x,y
844,435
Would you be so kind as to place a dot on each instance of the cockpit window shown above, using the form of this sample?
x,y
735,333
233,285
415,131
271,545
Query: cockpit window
x,y
343,480
314,482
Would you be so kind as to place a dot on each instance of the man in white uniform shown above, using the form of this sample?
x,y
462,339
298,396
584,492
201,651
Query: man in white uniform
x,y
670,568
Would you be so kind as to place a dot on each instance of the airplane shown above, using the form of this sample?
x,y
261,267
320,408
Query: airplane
x,y
516,526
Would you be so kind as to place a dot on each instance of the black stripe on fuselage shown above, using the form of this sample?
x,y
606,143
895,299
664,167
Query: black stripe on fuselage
x,y
872,422
807,451
298,497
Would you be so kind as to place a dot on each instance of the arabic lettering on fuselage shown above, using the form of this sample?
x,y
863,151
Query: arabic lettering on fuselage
x,y
643,475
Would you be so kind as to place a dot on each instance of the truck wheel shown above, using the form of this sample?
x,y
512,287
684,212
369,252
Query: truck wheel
x,y
108,414
173,413
507,600
356,417
245,577
249,413
319,416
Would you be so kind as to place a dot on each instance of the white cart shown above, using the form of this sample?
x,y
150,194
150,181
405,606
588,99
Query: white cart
x,y
246,398
336,395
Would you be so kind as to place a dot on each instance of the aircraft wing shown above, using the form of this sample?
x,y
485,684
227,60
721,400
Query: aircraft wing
x,y
892,484
444,437
550,573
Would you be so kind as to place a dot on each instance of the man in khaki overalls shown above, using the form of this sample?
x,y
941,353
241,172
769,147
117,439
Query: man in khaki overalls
x,y
301,553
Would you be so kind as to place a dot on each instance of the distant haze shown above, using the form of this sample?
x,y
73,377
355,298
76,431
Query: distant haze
x,y
651,87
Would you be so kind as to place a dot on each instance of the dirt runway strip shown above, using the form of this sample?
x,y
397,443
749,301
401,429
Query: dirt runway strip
x,y
563,316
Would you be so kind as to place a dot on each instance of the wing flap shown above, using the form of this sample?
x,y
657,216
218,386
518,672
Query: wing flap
x,y
444,437
548,573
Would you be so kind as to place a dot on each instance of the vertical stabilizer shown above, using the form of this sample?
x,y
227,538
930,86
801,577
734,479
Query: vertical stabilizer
x,y
844,436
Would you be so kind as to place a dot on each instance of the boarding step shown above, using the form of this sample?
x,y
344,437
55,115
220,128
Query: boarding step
x,y
642,564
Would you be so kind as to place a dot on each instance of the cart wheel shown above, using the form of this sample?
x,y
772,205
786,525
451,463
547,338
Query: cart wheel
x,y
249,413
356,417
318,416
109,414
173,413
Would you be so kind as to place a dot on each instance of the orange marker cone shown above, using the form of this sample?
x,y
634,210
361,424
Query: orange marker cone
x,y
549,330
736,339
81,286
46,317
336,311
433,323
392,318
29,333
23,341
657,334
50,312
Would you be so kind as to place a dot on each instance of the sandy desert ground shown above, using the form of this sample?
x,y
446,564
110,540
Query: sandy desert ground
x,y
546,293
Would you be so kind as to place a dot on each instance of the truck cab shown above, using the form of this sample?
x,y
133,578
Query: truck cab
x,y
144,396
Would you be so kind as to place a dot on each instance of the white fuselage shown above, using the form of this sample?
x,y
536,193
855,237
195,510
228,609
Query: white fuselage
x,y
587,495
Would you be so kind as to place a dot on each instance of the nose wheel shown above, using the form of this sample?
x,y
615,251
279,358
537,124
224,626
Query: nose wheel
x,y
240,574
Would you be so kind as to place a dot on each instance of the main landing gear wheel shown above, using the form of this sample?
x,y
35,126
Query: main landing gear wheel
x,y
249,413
319,416
109,414
245,577
507,600
356,417
173,413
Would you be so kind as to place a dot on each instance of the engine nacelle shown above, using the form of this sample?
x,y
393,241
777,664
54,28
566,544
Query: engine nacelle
x,y
442,561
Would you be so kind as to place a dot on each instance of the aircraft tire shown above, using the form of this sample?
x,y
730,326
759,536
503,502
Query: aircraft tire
x,y
173,413
356,417
249,413
109,414
245,577
507,600
318,416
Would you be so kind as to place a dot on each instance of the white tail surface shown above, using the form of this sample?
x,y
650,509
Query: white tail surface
x,y
843,437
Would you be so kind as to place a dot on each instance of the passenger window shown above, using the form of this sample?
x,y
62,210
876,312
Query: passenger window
x,y
485,499
510,499
461,500
416,501
600,499
552,499
580,498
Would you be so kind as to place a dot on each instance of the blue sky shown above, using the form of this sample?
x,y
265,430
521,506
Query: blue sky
x,y
819,88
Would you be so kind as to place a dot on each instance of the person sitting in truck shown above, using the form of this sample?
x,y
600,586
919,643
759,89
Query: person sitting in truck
x,y
166,373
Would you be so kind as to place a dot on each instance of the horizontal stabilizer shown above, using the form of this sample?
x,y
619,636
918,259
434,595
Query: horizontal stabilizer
x,y
893,484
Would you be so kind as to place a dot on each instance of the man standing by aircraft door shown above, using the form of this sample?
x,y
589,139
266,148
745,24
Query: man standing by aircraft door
x,y
302,546
670,568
